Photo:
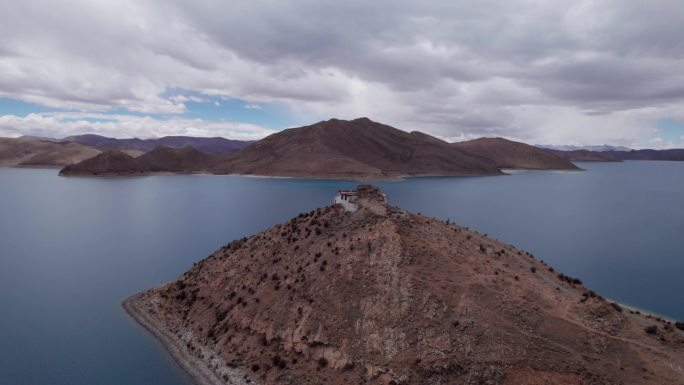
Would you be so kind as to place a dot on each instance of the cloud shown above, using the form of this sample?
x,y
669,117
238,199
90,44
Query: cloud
x,y
124,126
546,72
252,106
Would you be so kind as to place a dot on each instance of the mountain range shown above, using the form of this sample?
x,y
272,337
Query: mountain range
x,y
350,149
619,156
211,146
357,149
597,148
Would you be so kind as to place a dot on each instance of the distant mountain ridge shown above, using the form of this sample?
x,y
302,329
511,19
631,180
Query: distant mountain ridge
x,y
28,152
619,156
596,148
161,159
212,146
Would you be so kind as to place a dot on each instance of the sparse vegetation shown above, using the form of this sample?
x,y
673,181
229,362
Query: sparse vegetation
x,y
570,280
278,362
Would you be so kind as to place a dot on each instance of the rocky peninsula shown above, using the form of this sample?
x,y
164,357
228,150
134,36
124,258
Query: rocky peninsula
x,y
370,293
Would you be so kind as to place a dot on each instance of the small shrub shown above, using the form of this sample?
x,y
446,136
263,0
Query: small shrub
x,y
653,329
616,307
679,325
278,362
533,269
255,368
322,362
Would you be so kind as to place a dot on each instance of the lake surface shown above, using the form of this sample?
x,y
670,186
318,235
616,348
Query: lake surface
x,y
72,248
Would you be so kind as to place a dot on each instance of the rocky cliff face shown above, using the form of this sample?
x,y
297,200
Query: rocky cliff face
x,y
383,296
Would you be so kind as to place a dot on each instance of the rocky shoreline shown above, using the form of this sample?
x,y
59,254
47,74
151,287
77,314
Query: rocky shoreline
x,y
201,364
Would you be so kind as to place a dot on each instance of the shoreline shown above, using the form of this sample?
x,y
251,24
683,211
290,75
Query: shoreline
x,y
196,368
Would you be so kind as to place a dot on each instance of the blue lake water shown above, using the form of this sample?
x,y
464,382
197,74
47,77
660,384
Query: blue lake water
x,y
72,248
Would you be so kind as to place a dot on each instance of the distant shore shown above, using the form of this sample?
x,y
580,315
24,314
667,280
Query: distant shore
x,y
198,369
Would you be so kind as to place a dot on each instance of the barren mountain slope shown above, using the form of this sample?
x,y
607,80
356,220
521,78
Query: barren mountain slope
x,y
515,155
112,162
186,159
356,148
161,159
34,152
382,296
212,146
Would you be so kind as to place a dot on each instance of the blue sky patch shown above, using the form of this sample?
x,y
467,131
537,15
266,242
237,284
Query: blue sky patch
x,y
670,129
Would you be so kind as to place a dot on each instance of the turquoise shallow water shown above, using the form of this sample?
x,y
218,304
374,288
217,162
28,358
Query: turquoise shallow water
x,y
72,248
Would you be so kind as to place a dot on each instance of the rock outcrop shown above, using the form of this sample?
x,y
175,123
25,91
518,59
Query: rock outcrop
x,y
384,296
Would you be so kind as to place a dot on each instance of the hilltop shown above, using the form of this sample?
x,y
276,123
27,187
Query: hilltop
x,y
515,155
383,296
359,148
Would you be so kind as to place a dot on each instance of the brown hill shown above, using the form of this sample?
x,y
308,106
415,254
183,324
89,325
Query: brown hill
x,y
212,146
382,296
358,148
37,152
515,155
161,159
112,162
167,159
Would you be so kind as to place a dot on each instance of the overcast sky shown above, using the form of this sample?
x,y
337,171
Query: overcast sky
x,y
551,72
